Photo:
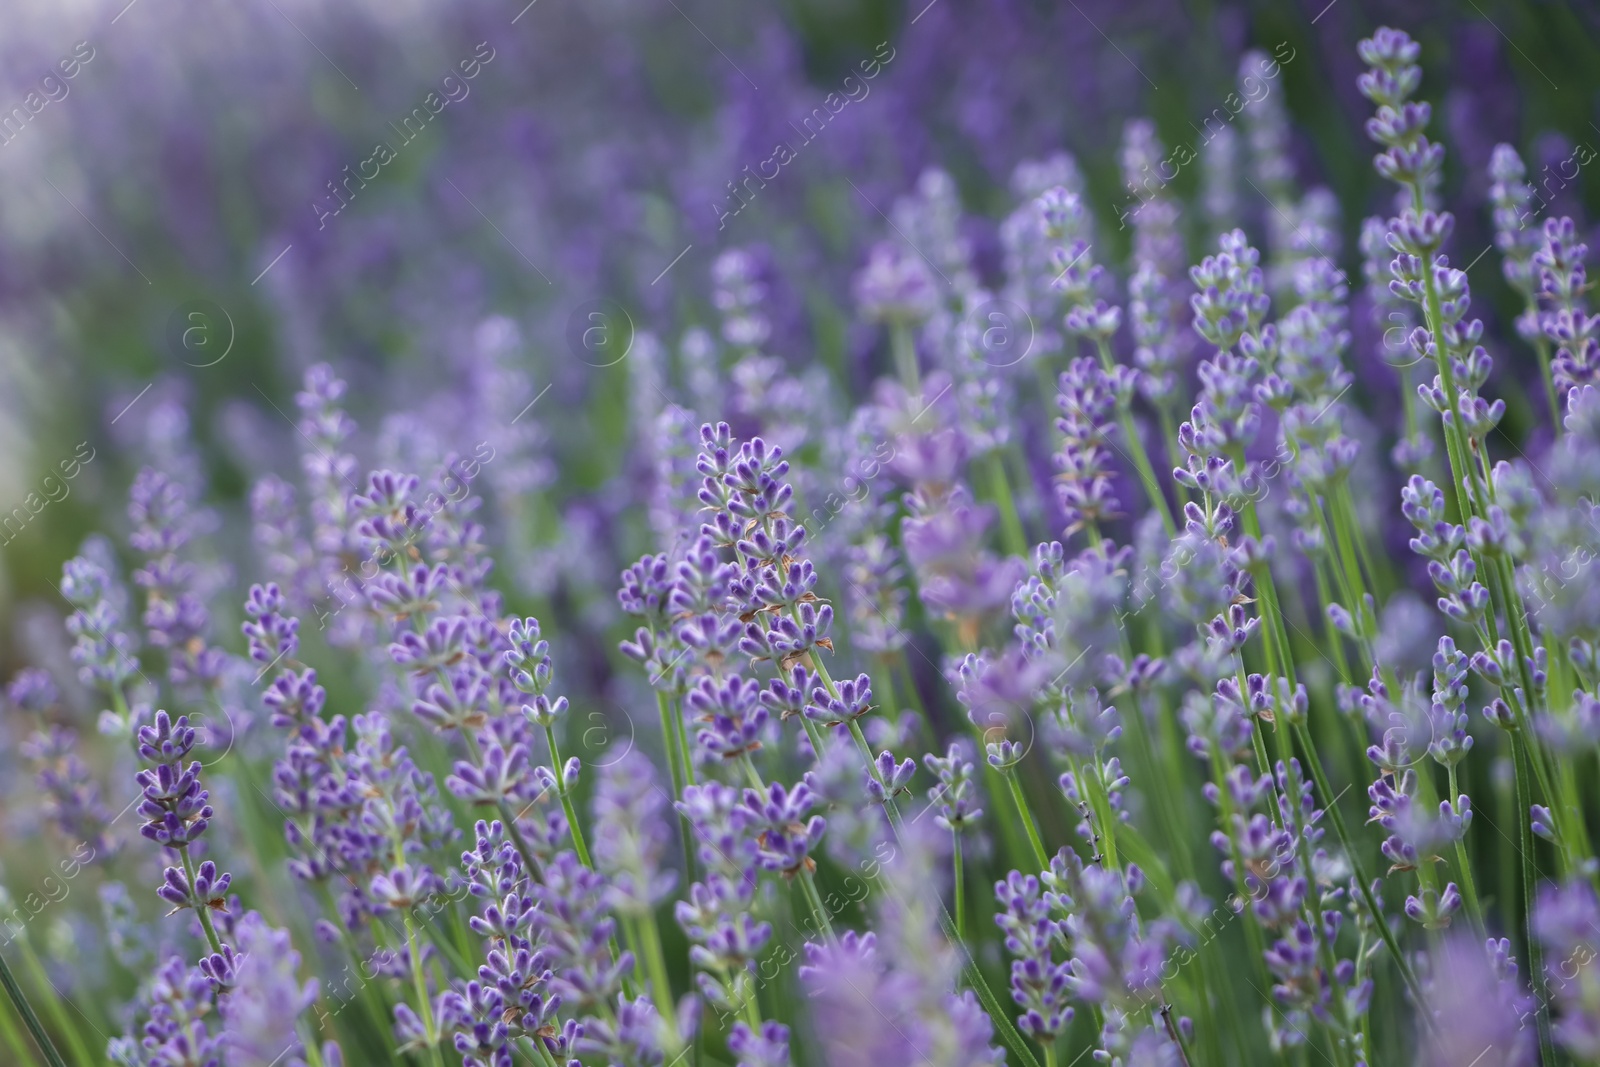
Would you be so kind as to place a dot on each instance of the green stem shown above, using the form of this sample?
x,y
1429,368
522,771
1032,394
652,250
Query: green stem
x,y
534,1049
1263,761
1468,883
1575,826
1176,1033
751,1008
960,889
1011,847
1344,506
1136,450
1012,536
1357,869
1027,818
370,993
1519,753
1455,446
681,737
1542,347
649,939
308,1043
420,982
1331,637
8,1030
578,843
1169,436
808,883
19,1000
670,741
998,1013
904,347
751,773
813,731
52,1003
200,909
1100,804
883,685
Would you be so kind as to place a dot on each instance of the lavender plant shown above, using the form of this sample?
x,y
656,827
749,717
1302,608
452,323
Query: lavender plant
x,y
1023,646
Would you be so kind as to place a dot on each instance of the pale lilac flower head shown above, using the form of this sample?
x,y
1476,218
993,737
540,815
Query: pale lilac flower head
x,y
266,998
1479,1008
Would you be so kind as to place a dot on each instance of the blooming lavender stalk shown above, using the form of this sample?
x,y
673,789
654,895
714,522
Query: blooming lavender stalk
x,y
1091,318
400,810
176,813
527,663
930,219
1228,312
971,338
175,615
1158,351
1449,744
877,597
650,594
748,498
1157,241
72,796
1567,920
1267,134
511,1000
764,398
104,653
276,530
1087,400
178,1001
1304,386
1424,276
1411,160
903,973
957,797
896,287
1039,983
1510,195
1297,228
944,534
264,994
1029,252
631,840
717,916
1418,838
1566,322
1477,1005
314,783
1219,174
330,476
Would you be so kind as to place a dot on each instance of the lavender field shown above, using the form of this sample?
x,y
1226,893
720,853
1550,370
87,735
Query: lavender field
x,y
692,534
